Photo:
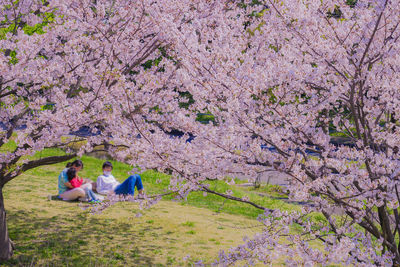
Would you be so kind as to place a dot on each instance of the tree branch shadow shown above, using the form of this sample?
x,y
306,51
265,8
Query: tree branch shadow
x,y
77,240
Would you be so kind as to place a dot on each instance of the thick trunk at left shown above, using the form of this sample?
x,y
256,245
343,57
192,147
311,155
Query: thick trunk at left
x,y
6,246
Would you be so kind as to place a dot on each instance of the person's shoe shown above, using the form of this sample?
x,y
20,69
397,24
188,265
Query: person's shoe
x,y
141,194
94,201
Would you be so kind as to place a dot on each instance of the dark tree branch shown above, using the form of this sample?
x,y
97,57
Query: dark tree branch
x,y
33,164
205,189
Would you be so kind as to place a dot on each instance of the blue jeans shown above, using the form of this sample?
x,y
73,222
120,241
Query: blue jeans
x,y
128,186
90,194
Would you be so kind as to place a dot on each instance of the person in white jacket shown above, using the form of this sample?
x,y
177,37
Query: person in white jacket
x,y
107,183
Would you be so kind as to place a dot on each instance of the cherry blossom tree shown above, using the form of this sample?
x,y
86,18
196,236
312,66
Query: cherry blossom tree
x,y
69,64
280,78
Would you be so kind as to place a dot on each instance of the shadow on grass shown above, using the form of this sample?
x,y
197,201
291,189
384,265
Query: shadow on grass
x,y
75,240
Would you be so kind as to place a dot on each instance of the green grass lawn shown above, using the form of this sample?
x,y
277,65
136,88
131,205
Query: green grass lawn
x,y
57,233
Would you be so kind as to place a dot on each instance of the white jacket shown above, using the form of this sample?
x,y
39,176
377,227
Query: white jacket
x,y
106,184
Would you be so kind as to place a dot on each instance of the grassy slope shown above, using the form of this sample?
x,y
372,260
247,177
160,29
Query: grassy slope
x,y
60,233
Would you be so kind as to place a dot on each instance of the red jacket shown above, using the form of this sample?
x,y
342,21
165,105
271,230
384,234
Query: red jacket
x,y
76,182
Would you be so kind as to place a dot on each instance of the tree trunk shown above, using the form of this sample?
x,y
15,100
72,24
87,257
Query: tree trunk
x,y
6,246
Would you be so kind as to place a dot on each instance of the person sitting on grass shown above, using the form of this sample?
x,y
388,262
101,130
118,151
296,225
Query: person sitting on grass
x,y
77,182
107,183
65,189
